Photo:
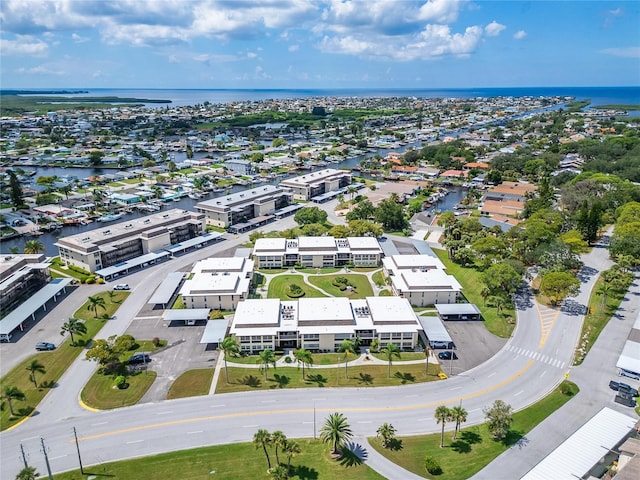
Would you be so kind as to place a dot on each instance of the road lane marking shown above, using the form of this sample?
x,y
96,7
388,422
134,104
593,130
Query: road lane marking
x,y
100,423
30,438
197,431
135,441
475,410
491,375
410,396
216,406
307,423
59,456
169,423
455,388
516,394
163,413
544,372
268,401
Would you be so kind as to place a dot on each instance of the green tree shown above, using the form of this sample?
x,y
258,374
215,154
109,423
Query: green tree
x,y
267,358
95,158
279,472
189,152
11,393
386,433
589,221
559,285
604,289
347,347
339,231
336,431
262,438
501,279
498,302
15,190
363,228
499,419
28,473
33,247
308,215
33,368
229,347
73,326
96,303
459,415
442,415
278,439
389,352
390,214
304,358
291,448
104,352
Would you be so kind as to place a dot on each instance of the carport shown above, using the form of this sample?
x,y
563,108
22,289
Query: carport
x,y
187,315
436,333
214,332
458,311
123,267
164,293
195,242
629,360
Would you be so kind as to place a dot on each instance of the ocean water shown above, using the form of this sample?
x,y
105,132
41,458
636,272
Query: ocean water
x,y
181,97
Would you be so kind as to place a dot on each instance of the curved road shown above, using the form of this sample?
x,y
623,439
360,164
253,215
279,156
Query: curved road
x,y
532,363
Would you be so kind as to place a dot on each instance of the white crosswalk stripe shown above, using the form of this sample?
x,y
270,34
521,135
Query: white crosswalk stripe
x,y
537,356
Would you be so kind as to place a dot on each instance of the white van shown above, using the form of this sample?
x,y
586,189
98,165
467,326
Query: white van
x,y
629,373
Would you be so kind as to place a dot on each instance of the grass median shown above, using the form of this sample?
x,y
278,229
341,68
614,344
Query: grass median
x,y
191,383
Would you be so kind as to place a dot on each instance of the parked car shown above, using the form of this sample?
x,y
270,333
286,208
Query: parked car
x,y
625,399
122,286
139,358
448,355
623,387
40,346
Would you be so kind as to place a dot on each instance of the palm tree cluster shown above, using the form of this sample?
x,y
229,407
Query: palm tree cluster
x,y
444,414
387,434
263,438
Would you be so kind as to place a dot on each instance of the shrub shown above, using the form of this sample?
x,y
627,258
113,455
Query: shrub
x,y
100,280
119,381
216,315
568,388
155,341
91,279
287,360
295,291
432,466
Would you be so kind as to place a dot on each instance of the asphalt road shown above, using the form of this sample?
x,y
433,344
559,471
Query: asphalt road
x,y
532,363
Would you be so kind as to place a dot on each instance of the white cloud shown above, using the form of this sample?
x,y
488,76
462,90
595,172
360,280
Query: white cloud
x,y
630,52
79,39
40,70
520,34
251,55
440,11
24,45
494,29
294,48
617,11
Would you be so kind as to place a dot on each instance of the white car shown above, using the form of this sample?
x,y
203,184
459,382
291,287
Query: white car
x,y
122,286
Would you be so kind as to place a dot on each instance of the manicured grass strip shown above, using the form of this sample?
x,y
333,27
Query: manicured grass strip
x,y
378,279
251,359
191,383
279,287
246,379
328,358
362,287
471,287
229,462
404,356
55,362
318,270
475,448
100,392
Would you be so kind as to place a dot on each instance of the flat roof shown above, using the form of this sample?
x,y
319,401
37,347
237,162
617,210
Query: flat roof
x,y
434,329
220,264
364,243
457,309
270,244
214,332
574,457
416,261
329,309
390,309
192,242
186,314
316,242
630,357
239,197
166,289
258,311
314,177
9,323
134,262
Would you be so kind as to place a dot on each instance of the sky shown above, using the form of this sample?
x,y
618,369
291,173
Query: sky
x,y
300,44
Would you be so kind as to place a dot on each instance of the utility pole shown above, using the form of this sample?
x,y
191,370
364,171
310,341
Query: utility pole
x,y
24,456
75,435
46,458
314,420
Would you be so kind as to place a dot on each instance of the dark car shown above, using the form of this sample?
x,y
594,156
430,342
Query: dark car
x,y
448,355
40,346
625,399
622,387
139,358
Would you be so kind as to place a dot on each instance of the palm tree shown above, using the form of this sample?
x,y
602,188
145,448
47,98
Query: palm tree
x,y
390,351
484,293
262,438
10,394
27,473
336,431
303,358
96,302
459,415
386,433
229,346
604,290
278,439
291,448
266,358
279,472
347,347
442,415
33,247
34,367
73,325
498,301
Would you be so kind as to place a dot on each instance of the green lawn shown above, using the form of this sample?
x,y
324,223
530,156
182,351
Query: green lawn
x,y
474,449
279,287
55,362
251,359
471,287
362,287
247,379
378,279
191,383
229,462
404,356
318,270
100,392
327,358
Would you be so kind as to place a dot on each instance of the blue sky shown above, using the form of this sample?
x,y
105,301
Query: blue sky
x,y
317,43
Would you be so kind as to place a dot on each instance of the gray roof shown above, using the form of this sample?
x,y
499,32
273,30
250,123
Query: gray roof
x,y
434,329
187,314
457,309
192,242
215,331
29,307
134,262
166,289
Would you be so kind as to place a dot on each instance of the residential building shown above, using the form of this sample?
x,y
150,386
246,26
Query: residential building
x,y
21,276
218,283
242,207
305,187
322,324
316,252
241,167
506,199
421,279
119,242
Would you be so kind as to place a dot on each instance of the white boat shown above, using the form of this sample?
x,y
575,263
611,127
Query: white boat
x,y
110,217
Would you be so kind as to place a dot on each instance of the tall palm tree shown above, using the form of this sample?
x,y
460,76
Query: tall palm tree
x,y
604,289
390,351
304,358
262,438
33,247
442,415
336,431
459,415
386,433
34,367
10,394
291,448
71,326
347,347
485,293
96,302
229,346
266,358
278,439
